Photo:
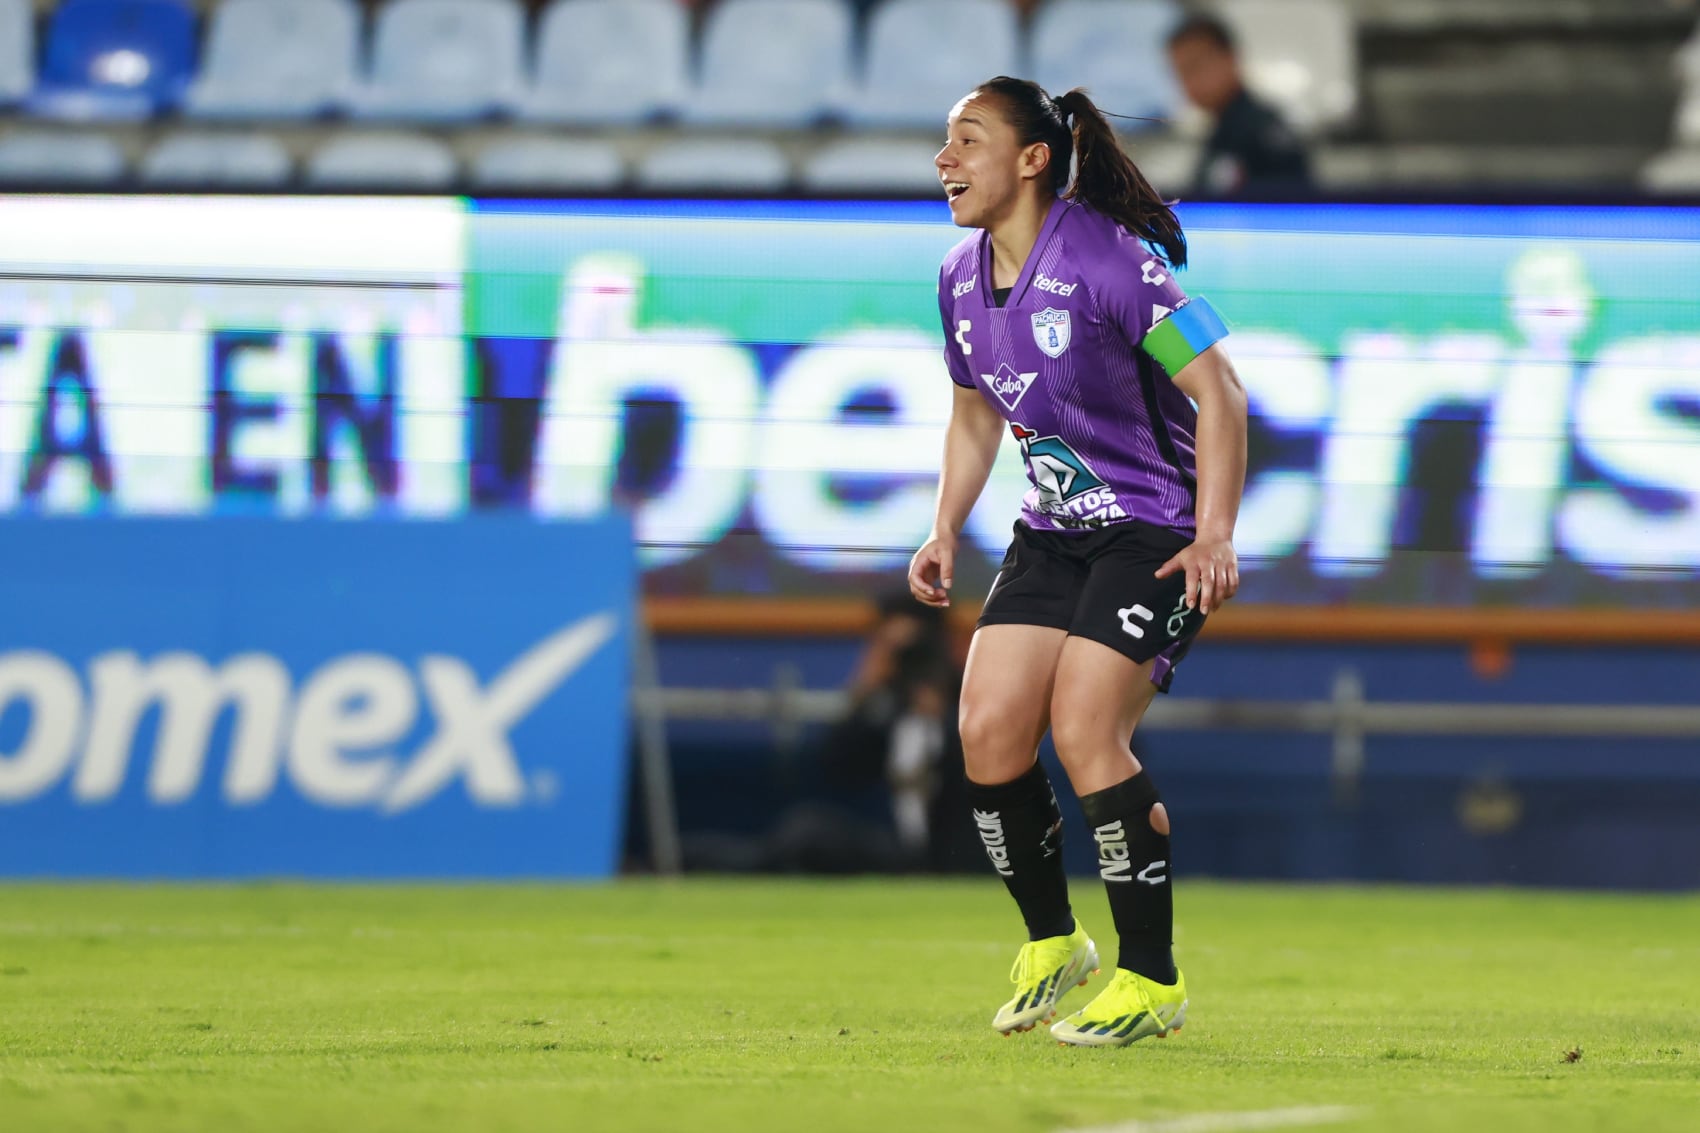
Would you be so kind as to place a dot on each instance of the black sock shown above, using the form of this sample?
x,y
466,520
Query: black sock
x,y
1022,828
1133,860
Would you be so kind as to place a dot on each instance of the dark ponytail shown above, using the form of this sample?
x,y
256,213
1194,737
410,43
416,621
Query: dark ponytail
x,y
1077,133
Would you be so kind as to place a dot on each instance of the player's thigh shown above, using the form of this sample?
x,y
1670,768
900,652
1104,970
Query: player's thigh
x,y
1006,698
1099,697
1127,609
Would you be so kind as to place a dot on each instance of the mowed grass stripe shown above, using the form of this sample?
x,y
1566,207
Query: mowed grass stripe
x,y
715,1005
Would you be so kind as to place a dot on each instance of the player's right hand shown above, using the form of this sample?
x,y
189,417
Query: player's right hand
x,y
931,569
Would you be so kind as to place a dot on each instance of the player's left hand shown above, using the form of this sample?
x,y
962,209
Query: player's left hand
x,y
1212,572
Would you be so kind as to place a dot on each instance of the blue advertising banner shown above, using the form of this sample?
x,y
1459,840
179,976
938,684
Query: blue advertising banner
x,y
249,697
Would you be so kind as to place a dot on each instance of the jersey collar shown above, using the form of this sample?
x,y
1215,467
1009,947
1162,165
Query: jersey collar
x,y
1019,291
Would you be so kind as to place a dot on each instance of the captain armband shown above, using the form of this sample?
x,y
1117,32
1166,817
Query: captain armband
x,y
1184,335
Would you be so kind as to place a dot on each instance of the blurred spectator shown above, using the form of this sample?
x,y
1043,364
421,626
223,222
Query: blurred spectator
x,y
900,730
890,792
1250,150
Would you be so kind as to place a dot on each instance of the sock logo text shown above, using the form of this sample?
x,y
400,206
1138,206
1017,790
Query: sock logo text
x,y
1112,852
990,823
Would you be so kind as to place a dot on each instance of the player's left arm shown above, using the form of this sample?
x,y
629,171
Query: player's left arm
x,y
1211,565
1184,336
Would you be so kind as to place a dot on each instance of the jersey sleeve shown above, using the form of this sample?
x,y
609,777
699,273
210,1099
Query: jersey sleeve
x,y
1156,315
955,340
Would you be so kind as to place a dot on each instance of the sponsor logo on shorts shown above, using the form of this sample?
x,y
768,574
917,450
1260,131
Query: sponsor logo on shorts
x,y
1133,611
1177,617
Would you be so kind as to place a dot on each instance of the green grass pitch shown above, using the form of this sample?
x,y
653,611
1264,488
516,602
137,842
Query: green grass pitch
x,y
704,1006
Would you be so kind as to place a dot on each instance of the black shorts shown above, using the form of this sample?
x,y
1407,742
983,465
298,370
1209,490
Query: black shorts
x,y
1100,585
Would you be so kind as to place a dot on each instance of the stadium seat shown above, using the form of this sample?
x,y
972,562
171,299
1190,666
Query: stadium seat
x,y
444,61
382,161
225,161
1673,173
17,50
1302,55
1116,49
609,62
38,157
267,59
1167,162
548,164
773,62
923,55
870,165
729,165
116,59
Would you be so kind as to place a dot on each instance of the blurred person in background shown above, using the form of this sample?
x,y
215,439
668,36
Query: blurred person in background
x,y
1251,150
899,736
1065,325
888,792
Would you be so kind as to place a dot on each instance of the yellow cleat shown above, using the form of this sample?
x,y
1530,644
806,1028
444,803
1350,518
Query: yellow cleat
x,y
1044,971
1130,1008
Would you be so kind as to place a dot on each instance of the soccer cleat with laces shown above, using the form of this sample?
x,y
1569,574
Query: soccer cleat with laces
x,y
1130,1008
1043,971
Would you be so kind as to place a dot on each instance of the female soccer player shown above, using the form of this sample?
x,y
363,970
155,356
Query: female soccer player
x,y
1062,317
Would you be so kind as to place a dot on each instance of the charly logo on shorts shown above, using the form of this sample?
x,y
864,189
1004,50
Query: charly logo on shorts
x,y
1135,610
1051,331
1008,385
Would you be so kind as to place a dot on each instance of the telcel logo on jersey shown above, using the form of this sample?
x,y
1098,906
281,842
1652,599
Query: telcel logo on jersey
x,y
962,289
330,738
1054,286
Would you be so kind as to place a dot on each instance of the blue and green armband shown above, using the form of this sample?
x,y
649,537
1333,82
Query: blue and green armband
x,y
1184,335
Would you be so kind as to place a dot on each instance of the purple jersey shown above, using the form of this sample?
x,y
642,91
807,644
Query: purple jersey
x,y
1070,362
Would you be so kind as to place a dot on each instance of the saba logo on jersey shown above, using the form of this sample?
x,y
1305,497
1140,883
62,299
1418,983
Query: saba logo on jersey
x,y
1051,331
1008,385
1056,469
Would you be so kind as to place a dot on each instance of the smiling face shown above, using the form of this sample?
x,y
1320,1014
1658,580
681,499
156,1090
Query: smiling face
x,y
983,166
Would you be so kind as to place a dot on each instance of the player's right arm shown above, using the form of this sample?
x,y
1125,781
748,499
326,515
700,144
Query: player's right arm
x,y
970,448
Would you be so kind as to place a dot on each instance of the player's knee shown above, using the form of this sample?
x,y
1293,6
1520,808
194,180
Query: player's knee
x,y
1065,737
991,732
1076,740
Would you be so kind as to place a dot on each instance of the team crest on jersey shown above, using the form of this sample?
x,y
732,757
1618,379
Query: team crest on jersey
x,y
1008,385
1050,331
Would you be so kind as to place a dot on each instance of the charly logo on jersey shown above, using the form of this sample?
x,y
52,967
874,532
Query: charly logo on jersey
x,y
1056,469
1008,385
1051,331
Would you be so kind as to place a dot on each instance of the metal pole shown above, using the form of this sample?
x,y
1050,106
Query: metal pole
x,y
649,711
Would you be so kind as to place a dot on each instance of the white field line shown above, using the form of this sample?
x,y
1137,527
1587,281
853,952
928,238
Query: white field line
x,y
1227,1122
